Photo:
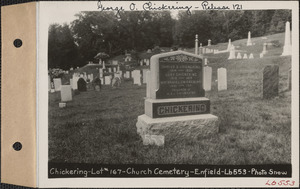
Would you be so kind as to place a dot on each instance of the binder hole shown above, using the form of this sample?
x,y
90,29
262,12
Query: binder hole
x,y
17,146
18,43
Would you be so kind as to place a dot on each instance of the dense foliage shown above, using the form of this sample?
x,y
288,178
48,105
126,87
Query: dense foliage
x,y
93,32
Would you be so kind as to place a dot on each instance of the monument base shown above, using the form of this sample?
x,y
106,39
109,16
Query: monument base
x,y
160,130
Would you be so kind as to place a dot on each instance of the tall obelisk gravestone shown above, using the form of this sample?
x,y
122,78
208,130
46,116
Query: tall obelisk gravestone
x,y
177,107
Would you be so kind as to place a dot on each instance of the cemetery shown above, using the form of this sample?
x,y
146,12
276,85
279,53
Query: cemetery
x,y
210,88
224,103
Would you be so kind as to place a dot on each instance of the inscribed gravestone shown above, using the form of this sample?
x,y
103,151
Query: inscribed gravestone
x,y
136,74
177,98
145,76
107,80
270,81
66,93
178,79
81,84
207,78
222,79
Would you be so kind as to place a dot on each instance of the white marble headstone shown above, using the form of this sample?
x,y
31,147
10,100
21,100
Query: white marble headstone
x,y
66,93
207,78
145,75
222,79
107,80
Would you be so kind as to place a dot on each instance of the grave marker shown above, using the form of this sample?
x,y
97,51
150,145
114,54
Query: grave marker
x,y
177,100
66,93
207,78
127,74
74,82
264,49
251,56
57,84
249,43
136,74
261,55
287,48
100,72
270,81
196,44
222,79
245,56
239,56
229,45
231,53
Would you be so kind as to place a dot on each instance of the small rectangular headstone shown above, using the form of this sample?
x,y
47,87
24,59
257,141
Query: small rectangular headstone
x,y
107,80
222,79
207,78
101,72
71,83
57,84
66,93
127,74
145,75
74,82
270,81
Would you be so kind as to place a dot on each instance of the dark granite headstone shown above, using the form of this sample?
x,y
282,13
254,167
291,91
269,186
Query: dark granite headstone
x,y
180,76
81,85
97,84
270,81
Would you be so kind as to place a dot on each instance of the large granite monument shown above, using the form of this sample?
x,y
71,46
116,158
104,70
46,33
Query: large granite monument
x,y
176,106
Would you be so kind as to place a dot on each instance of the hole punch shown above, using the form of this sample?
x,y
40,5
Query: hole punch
x,y
17,146
18,43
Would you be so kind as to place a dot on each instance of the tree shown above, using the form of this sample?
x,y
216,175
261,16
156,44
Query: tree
x,y
62,51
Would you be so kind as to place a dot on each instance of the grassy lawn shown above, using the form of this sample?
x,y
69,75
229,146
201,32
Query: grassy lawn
x,y
99,127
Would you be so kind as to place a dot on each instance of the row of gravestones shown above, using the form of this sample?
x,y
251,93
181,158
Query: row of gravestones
x,y
138,78
176,101
207,78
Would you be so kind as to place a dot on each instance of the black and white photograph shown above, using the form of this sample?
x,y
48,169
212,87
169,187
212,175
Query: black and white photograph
x,y
171,89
